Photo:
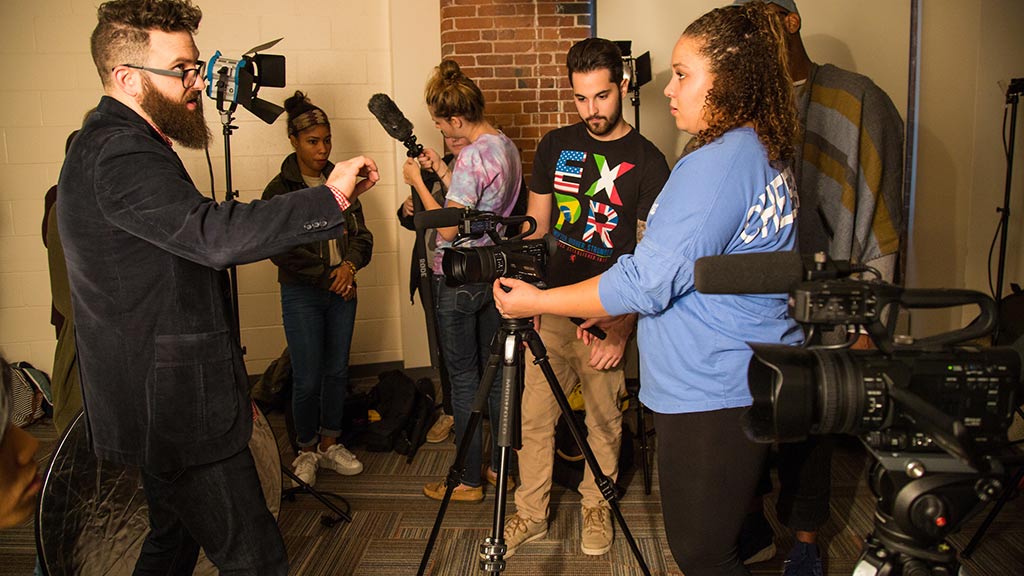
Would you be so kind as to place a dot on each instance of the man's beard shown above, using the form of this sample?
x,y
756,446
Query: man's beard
x,y
611,122
174,119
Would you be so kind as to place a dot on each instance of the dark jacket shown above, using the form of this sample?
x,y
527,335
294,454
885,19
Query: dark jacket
x,y
311,263
163,381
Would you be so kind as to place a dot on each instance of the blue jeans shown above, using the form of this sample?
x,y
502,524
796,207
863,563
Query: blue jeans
x,y
468,320
318,326
218,506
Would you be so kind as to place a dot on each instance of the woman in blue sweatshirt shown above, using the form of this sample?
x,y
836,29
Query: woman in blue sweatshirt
x,y
732,195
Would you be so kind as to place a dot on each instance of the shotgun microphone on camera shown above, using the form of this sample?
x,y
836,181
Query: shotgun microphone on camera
x,y
765,272
442,217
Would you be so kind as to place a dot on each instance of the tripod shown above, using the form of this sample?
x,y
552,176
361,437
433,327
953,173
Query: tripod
x,y
914,516
507,352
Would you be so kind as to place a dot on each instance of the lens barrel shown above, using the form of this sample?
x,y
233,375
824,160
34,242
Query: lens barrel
x,y
800,391
472,265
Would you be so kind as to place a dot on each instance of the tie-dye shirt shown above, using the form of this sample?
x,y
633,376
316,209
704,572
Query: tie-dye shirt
x,y
487,176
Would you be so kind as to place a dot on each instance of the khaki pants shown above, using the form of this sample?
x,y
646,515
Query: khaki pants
x,y
602,390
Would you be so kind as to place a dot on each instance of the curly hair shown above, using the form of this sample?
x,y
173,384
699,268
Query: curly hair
x,y
745,47
122,31
450,93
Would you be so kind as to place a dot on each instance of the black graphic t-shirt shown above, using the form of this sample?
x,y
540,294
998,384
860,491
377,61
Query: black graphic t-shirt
x,y
600,190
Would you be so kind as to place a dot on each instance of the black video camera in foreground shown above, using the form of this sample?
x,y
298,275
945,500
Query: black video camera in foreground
x,y
933,412
511,257
934,394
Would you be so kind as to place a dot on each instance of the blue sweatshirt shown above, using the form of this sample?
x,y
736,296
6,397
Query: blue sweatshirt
x,y
724,198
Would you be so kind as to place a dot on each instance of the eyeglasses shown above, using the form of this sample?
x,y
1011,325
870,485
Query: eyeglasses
x,y
188,75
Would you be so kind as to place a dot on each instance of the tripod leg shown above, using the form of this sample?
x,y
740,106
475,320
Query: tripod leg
x,y
458,467
996,508
505,427
304,487
604,483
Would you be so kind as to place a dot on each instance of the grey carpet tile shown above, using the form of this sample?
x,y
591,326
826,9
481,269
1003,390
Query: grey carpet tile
x,y
392,521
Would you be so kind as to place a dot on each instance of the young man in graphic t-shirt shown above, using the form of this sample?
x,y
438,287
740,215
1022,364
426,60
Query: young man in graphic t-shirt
x,y
592,185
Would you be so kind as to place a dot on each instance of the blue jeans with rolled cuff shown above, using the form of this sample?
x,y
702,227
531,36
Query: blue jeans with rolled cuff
x,y
318,325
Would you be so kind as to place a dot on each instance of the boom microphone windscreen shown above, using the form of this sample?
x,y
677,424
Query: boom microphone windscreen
x,y
756,273
390,117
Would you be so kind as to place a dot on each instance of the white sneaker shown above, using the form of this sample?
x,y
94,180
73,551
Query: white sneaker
x,y
340,460
305,466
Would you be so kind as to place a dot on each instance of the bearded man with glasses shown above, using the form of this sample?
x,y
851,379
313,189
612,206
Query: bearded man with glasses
x,y
163,382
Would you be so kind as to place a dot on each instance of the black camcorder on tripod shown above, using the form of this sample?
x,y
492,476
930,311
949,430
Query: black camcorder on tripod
x,y
933,412
526,260
508,257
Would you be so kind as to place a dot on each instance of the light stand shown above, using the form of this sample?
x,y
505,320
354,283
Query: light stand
x,y
507,352
1013,93
238,82
637,71
229,194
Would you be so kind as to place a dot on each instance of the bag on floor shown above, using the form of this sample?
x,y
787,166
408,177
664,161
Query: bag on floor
x,y
419,422
273,389
393,398
30,394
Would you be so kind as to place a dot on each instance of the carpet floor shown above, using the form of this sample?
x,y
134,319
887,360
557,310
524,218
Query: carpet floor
x,y
392,521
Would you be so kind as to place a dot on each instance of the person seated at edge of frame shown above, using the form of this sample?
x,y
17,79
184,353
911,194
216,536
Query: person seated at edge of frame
x,y
20,482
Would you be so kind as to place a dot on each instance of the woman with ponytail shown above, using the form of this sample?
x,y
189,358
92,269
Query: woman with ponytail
x,y
318,301
486,176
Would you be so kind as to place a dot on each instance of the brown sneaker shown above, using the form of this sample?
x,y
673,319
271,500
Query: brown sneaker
x,y
441,429
597,531
519,531
462,493
492,479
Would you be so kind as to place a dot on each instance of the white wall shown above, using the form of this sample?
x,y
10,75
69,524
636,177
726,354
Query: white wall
x,y
969,51
338,51
847,34
354,48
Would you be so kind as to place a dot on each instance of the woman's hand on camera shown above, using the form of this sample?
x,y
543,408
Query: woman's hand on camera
x,y
354,176
516,299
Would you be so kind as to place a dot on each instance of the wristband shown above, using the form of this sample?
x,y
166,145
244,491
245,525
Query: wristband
x,y
341,199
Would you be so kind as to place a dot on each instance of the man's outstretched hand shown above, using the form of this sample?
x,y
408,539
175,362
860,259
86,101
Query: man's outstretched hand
x,y
354,176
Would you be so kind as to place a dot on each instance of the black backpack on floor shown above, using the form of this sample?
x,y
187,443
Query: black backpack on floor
x,y
405,408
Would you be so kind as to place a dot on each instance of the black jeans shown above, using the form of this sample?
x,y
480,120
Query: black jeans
x,y
707,472
217,506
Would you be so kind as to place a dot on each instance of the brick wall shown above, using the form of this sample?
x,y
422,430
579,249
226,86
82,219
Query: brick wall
x,y
515,51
